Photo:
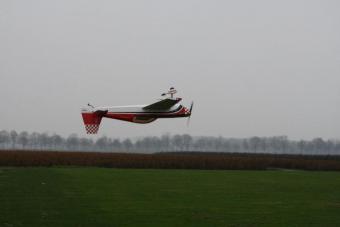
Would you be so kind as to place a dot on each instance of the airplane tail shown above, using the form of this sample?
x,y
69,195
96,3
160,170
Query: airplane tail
x,y
92,120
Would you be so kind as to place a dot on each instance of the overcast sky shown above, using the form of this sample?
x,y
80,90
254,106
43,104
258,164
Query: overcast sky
x,y
259,68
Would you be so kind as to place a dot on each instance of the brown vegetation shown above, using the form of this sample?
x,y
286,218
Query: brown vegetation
x,y
176,160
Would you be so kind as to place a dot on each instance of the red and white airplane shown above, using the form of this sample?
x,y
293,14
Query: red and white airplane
x,y
165,108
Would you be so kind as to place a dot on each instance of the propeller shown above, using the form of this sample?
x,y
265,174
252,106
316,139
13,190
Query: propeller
x,y
191,107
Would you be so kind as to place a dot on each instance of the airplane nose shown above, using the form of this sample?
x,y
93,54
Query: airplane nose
x,y
187,111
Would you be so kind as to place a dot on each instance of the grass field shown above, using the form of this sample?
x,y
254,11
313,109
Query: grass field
x,y
131,197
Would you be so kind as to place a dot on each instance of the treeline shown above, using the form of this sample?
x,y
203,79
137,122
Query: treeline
x,y
175,160
165,143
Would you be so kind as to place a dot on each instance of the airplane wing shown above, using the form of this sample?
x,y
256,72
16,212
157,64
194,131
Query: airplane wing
x,y
164,104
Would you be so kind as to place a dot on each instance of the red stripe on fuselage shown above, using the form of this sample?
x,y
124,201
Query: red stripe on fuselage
x,y
183,112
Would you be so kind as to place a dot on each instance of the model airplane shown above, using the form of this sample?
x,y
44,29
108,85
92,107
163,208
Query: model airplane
x,y
168,107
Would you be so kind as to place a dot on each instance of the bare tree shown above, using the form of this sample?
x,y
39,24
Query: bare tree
x,y
255,143
57,142
23,139
14,136
102,143
186,140
4,138
72,142
127,144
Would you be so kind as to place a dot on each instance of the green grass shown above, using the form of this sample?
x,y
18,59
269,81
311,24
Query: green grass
x,y
127,197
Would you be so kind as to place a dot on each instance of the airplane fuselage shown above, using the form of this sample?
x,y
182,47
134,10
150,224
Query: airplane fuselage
x,y
142,114
137,114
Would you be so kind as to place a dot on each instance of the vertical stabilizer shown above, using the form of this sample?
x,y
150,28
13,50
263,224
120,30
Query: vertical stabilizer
x,y
92,120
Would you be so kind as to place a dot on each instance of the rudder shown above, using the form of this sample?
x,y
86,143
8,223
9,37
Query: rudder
x,y
92,121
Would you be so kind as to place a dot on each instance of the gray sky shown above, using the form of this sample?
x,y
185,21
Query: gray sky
x,y
252,67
